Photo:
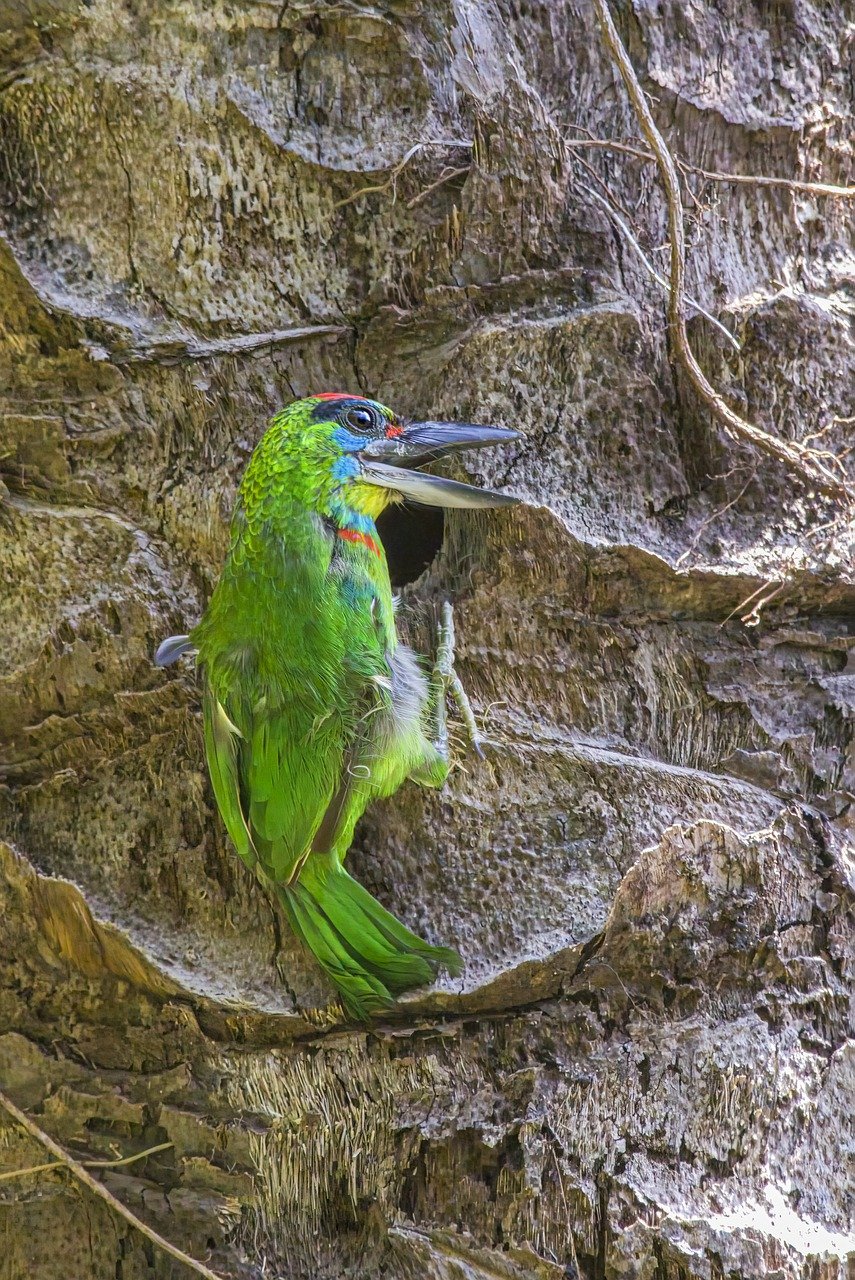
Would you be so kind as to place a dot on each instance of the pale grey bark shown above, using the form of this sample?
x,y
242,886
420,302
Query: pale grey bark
x,y
647,1069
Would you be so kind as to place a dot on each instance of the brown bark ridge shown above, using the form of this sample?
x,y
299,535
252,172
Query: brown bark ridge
x,y
647,1069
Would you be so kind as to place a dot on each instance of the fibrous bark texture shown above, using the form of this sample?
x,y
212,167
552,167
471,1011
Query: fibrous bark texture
x,y
212,206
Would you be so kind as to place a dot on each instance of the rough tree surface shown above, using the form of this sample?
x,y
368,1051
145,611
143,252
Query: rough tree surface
x,y
645,1070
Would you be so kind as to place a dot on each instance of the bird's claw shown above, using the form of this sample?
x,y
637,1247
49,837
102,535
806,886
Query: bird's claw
x,y
446,680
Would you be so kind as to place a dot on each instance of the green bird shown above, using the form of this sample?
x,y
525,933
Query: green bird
x,y
312,706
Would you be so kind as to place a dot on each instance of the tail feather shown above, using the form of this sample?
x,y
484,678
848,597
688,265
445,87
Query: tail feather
x,y
352,896
363,994
369,955
399,970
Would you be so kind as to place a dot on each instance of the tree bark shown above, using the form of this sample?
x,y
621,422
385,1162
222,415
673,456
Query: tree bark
x,y
647,1068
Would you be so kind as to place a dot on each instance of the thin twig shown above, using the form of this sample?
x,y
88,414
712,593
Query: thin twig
x,y
714,175
9,1174
752,618
835,421
737,608
607,144
801,460
117,1164
660,280
604,189
445,177
761,180
97,1188
399,167
715,515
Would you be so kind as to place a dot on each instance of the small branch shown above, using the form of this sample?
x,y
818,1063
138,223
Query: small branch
x,y
606,193
607,144
9,1174
398,169
761,180
751,618
714,175
125,1160
446,177
716,515
800,459
97,1188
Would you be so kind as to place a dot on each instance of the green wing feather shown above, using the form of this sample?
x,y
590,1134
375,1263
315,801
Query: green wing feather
x,y
291,771
222,742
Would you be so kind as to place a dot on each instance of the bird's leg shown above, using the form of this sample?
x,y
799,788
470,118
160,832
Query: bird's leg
x,y
445,680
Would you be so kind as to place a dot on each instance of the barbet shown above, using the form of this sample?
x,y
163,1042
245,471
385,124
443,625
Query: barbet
x,y
312,707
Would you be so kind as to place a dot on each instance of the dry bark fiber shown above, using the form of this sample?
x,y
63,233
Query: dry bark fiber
x,y
647,1068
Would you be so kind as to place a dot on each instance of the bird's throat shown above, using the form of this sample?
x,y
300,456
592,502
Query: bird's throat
x,y
369,499
355,512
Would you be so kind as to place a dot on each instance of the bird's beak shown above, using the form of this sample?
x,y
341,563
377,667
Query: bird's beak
x,y
422,442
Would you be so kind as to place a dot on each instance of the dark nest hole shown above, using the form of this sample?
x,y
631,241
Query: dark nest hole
x,y
411,537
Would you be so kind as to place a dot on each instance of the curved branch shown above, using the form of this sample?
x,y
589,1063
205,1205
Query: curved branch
x,y
399,168
802,460
623,226
97,1188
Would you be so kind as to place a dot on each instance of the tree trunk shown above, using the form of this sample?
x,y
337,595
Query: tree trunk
x,y
210,208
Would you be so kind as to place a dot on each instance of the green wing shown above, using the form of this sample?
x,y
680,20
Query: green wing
x,y
222,745
291,768
274,776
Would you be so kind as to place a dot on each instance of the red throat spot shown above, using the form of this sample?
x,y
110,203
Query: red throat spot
x,y
393,431
364,539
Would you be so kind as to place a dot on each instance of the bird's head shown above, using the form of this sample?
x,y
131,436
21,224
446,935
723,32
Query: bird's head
x,y
376,455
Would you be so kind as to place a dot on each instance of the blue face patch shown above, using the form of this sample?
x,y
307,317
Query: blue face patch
x,y
349,441
346,467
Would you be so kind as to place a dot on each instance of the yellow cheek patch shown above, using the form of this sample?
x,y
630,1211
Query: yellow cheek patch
x,y
370,499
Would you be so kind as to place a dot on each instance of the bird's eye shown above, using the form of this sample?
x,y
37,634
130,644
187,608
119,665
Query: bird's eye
x,y
359,419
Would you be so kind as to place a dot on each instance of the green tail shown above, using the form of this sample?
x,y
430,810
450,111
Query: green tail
x,y
369,955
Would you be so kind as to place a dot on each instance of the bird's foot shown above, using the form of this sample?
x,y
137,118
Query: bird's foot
x,y
445,681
